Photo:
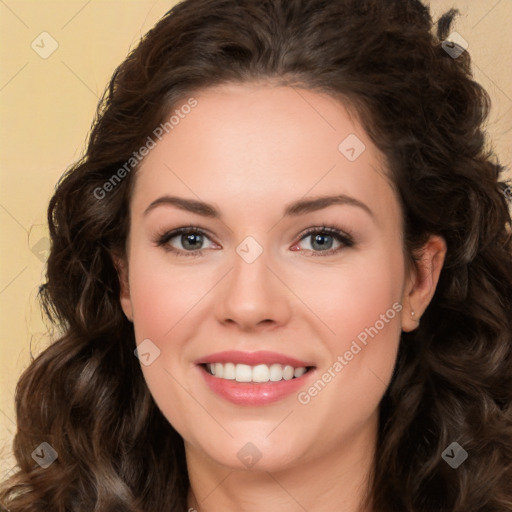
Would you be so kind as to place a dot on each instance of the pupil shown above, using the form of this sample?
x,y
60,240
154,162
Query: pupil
x,y
189,239
320,239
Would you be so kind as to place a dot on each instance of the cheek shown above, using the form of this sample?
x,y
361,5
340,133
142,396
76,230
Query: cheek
x,y
360,309
162,295
163,301
353,312
351,298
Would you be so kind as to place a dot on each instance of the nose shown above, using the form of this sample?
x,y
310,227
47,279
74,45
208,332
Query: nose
x,y
253,297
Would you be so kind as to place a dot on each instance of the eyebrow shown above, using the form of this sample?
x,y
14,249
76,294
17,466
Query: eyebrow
x,y
296,208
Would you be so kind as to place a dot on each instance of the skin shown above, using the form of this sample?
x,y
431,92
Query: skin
x,y
250,150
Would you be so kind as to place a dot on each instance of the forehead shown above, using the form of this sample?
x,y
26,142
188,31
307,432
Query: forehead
x,y
244,145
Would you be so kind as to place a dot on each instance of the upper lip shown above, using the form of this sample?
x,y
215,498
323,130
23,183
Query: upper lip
x,y
253,358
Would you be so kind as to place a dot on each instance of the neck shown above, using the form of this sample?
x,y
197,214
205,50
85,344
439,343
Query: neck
x,y
337,480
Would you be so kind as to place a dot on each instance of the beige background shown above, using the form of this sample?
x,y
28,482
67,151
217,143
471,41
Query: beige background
x,y
47,105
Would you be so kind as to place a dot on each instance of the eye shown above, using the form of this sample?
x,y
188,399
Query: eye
x,y
321,240
189,241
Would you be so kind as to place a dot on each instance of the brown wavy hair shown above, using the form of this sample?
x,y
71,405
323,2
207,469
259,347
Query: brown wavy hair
x,y
85,394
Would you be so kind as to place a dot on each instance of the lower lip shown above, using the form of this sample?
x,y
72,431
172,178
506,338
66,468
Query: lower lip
x,y
251,393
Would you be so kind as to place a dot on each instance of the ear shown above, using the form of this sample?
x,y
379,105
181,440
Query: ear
x,y
121,266
422,282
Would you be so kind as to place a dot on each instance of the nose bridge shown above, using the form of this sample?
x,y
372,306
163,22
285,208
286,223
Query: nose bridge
x,y
252,294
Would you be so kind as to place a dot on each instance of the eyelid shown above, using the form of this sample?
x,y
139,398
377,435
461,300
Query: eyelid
x,y
344,236
163,239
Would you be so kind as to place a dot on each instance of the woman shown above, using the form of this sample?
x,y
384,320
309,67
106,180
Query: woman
x,y
283,274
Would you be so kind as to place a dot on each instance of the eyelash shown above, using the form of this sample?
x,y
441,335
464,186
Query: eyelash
x,y
346,238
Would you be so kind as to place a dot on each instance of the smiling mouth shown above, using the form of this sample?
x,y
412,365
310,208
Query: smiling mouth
x,y
259,373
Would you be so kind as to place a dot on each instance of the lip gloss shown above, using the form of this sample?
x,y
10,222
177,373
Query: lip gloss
x,y
253,393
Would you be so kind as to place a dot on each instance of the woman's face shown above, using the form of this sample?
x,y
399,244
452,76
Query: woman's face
x,y
284,277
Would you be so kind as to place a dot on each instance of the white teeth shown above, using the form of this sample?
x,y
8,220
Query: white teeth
x,y
258,373
243,373
229,371
288,373
261,373
276,372
299,372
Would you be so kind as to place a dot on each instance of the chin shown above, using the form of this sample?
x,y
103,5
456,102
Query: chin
x,y
260,454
